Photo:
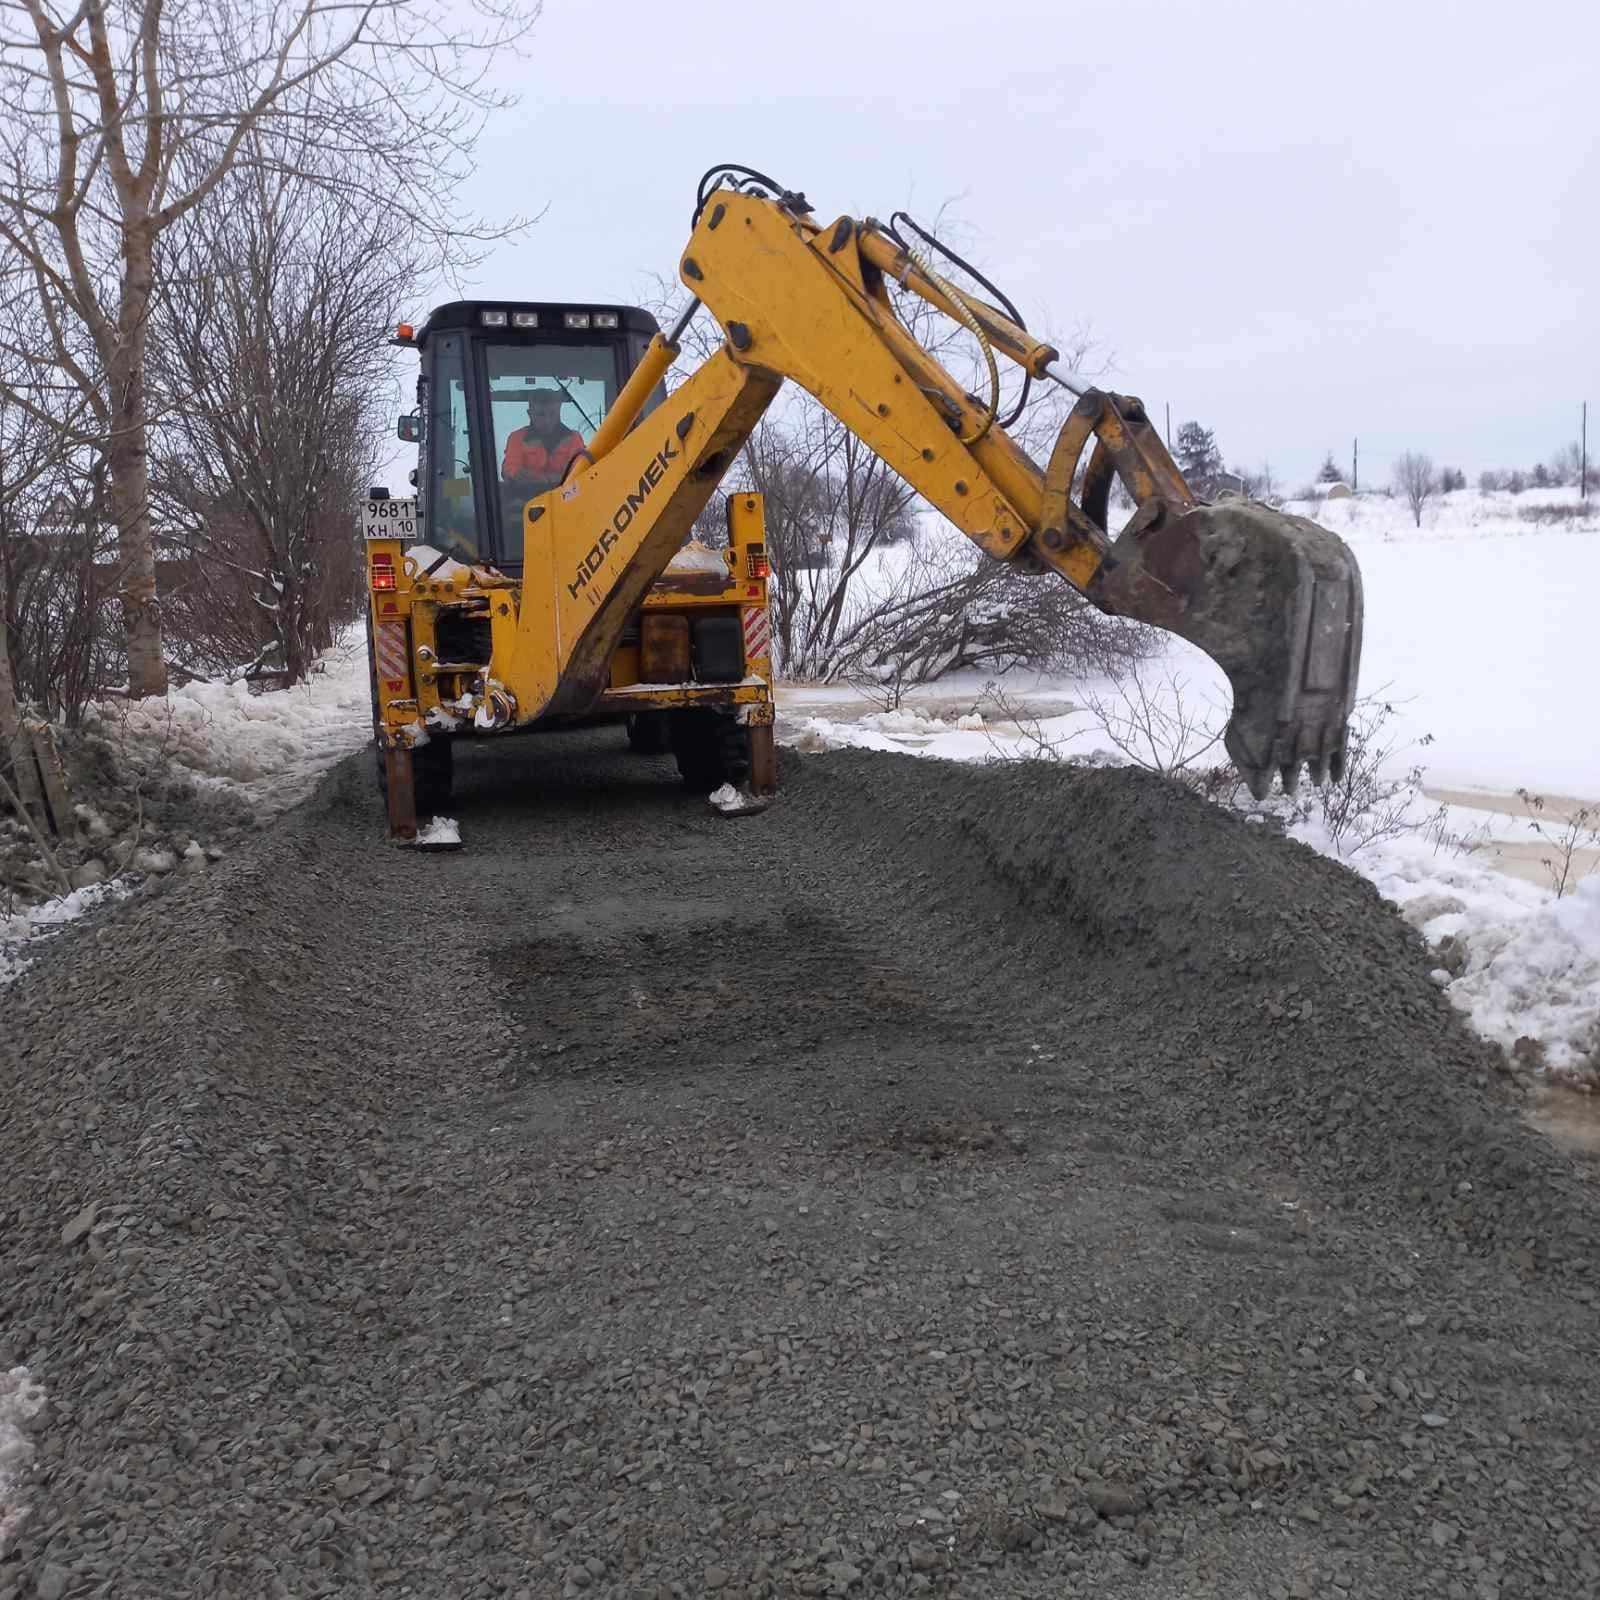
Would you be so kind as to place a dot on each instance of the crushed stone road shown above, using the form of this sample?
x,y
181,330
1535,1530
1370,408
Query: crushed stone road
x,y
997,1182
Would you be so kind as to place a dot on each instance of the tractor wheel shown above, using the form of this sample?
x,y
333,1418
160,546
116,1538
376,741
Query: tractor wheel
x,y
649,734
433,771
711,750
432,775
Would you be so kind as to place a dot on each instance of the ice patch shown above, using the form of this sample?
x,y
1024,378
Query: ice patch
x,y
21,1400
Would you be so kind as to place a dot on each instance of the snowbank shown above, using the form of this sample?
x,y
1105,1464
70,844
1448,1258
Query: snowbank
x,y
269,748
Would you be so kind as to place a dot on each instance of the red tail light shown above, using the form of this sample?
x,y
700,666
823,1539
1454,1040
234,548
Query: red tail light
x,y
383,573
759,566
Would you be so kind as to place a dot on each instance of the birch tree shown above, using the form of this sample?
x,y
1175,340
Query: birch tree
x,y
123,116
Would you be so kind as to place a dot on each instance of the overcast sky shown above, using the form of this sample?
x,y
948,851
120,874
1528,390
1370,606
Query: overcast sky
x,y
1297,222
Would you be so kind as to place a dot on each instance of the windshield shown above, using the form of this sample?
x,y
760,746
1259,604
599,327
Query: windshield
x,y
545,402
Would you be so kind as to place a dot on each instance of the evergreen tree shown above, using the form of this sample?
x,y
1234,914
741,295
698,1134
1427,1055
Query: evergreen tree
x,y
1197,456
1329,471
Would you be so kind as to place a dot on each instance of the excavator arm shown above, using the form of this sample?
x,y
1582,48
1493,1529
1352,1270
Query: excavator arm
x,y
1274,600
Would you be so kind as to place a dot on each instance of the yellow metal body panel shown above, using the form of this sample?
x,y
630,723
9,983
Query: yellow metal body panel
x,y
804,318
593,547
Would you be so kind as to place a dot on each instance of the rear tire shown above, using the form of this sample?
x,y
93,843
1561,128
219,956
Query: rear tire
x,y
433,771
649,733
711,749
432,776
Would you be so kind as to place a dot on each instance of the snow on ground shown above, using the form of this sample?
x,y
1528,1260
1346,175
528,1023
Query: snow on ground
x,y
268,748
21,1400
1486,645
26,928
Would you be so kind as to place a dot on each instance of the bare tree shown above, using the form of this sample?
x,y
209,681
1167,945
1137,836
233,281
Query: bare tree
x,y
1416,480
951,609
123,118
51,582
274,358
1571,832
1156,721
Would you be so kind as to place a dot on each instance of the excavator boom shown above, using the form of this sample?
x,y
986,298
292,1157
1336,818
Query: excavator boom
x,y
1274,600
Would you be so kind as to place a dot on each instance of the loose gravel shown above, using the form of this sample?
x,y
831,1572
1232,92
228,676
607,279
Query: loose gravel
x,y
954,1181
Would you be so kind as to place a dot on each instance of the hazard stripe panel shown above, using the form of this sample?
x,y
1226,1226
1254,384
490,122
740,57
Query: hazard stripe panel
x,y
393,657
757,633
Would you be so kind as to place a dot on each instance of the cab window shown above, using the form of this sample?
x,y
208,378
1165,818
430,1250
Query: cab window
x,y
545,403
449,519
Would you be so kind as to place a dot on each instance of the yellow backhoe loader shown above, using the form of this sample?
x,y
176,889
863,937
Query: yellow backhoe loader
x,y
542,578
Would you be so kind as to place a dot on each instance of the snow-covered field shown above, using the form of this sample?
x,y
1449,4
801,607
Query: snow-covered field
x,y
1478,638
1481,628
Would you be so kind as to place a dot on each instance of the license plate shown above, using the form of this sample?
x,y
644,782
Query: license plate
x,y
389,519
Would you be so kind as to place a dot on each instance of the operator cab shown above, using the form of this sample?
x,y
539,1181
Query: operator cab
x,y
510,394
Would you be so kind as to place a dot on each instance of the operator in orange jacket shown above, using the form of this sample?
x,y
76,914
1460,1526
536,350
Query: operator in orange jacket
x,y
537,455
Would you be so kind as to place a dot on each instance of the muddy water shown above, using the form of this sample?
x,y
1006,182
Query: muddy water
x,y
1570,1120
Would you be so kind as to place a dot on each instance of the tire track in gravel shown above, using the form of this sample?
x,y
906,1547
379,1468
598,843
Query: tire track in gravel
x,y
967,1182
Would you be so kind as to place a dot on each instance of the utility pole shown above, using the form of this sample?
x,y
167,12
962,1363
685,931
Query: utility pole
x,y
1355,465
1583,456
1169,426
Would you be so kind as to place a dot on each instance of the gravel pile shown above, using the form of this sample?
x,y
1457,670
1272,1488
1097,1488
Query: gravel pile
x,y
979,1182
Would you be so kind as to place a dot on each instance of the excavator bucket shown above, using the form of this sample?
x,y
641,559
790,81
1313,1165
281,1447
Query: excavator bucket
x,y
1274,600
